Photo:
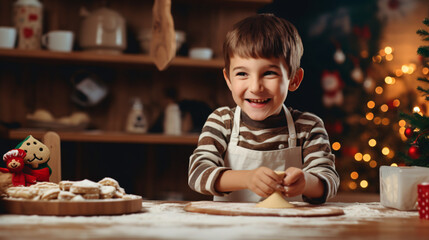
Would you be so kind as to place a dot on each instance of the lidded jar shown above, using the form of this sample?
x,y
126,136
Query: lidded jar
x,y
28,17
103,30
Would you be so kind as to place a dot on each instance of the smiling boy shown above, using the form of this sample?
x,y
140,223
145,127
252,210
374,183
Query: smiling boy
x,y
240,148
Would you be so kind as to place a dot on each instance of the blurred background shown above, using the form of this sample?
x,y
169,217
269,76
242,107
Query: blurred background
x,y
120,116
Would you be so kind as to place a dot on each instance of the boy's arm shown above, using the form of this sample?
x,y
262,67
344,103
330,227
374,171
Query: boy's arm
x,y
206,163
319,160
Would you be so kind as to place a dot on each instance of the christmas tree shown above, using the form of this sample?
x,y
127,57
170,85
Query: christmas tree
x,y
418,130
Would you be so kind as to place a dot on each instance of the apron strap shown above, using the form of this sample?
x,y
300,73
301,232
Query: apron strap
x,y
236,126
291,127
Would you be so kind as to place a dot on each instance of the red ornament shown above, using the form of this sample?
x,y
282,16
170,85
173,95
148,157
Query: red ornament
x,y
414,152
409,132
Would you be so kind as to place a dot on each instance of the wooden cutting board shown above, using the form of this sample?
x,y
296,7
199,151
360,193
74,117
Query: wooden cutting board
x,y
250,209
71,208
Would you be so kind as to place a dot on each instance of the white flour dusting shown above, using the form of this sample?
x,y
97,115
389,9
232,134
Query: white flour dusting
x,y
170,221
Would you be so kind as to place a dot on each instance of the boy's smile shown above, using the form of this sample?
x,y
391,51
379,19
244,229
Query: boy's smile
x,y
258,85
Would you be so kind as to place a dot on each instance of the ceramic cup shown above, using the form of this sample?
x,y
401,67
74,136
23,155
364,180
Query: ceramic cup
x,y
61,41
201,53
7,37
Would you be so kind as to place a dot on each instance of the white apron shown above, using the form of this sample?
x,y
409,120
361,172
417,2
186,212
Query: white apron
x,y
239,158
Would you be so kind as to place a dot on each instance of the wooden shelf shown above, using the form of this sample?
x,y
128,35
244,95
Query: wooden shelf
x,y
112,137
81,57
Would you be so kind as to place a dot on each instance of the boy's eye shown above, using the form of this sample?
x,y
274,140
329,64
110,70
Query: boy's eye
x,y
270,73
240,74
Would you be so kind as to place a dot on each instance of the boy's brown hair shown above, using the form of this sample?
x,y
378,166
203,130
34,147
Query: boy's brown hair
x,y
264,36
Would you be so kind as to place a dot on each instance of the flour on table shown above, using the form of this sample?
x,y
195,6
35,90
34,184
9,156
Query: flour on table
x,y
171,221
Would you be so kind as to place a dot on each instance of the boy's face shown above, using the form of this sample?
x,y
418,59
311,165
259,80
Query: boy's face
x,y
259,85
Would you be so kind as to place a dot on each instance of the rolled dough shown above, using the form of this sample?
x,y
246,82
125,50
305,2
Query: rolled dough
x,y
275,200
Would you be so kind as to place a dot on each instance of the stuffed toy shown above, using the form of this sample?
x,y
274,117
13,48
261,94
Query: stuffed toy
x,y
332,85
36,160
15,164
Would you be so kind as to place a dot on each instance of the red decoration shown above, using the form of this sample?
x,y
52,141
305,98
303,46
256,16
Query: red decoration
x,y
363,32
423,200
394,4
409,132
414,152
33,17
28,32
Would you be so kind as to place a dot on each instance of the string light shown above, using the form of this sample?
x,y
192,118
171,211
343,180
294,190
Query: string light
x,y
377,59
396,103
370,116
416,109
373,164
402,123
425,70
389,80
391,154
384,108
385,151
379,90
398,72
394,165
377,120
388,50
358,156
372,142
385,121
389,57
402,133
352,185
364,184
366,157
370,104
408,69
336,146
354,175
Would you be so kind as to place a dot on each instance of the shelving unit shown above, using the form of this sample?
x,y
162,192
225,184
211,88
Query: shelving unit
x,y
109,137
101,59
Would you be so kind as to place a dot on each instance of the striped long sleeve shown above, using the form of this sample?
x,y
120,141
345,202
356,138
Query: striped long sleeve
x,y
206,162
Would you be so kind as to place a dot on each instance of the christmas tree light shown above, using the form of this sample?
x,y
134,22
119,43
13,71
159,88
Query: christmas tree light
x,y
417,131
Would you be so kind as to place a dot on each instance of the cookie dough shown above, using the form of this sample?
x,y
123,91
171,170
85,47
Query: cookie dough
x,y
275,200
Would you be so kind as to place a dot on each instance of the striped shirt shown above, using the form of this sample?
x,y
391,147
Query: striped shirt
x,y
207,160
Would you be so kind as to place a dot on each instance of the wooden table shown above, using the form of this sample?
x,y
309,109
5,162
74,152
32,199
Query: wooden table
x,y
168,220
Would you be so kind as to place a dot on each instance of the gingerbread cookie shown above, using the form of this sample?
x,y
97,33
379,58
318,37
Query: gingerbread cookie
x,y
107,192
107,181
85,187
50,194
65,185
22,192
66,195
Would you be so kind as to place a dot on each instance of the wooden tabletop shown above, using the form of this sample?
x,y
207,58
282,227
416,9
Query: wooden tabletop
x,y
168,220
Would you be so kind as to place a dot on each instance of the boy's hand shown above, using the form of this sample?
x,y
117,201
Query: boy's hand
x,y
294,182
263,181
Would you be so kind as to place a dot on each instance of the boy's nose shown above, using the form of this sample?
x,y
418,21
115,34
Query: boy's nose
x,y
256,85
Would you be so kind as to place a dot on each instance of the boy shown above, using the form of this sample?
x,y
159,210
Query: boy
x,y
240,148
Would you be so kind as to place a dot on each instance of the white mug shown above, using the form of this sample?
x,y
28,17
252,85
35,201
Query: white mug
x,y
7,37
61,41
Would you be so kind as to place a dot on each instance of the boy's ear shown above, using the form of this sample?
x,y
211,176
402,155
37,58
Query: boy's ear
x,y
297,79
227,80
